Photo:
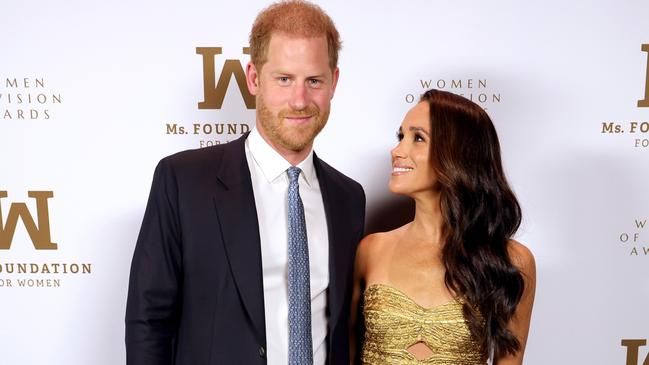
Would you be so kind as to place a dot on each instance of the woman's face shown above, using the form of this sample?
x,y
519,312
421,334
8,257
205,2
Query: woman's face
x,y
412,171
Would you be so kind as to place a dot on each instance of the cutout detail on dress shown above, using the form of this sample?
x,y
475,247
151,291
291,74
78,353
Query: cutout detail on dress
x,y
420,351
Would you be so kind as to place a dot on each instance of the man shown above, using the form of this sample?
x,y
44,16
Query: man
x,y
246,249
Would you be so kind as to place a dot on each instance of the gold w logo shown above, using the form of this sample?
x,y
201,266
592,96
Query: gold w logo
x,y
214,95
40,236
632,351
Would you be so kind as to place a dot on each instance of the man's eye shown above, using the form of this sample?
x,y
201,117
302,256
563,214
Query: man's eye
x,y
314,82
283,80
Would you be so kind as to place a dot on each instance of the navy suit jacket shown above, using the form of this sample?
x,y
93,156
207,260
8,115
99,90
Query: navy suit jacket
x,y
195,291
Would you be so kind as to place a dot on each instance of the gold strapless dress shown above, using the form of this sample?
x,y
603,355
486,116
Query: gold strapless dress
x,y
394,322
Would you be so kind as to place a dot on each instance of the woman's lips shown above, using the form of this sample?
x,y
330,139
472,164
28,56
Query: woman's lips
x,y
400,170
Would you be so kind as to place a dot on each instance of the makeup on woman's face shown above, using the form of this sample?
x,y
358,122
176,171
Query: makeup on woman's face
x,y
412,171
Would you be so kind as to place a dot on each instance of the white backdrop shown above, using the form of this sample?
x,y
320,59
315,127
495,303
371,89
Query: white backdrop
x,y
115,77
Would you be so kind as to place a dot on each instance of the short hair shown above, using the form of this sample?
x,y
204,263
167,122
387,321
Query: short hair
x,y
295,18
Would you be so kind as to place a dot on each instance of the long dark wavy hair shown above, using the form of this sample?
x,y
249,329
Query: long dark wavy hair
x,y
480,215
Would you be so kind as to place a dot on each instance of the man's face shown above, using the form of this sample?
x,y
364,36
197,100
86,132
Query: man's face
x,y
294,90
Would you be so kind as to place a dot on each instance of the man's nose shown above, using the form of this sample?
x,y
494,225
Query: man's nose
x,y
299,97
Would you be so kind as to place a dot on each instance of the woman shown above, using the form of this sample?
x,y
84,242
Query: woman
x,y
450,287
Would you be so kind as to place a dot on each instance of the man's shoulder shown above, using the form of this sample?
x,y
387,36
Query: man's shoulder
x,y
194,156
202,157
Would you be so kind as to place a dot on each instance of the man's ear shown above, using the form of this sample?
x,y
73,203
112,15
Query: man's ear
x,y
252,78
334,81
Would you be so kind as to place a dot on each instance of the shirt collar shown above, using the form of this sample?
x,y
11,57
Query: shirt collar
x,y
272,164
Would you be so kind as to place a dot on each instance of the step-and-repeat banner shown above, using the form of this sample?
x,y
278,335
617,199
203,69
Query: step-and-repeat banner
x,y
94,93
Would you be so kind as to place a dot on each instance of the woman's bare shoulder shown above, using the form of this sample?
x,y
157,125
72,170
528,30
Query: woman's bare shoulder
x,y
376,243
522,257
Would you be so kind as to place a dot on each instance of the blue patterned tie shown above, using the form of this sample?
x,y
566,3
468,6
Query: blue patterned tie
x,y
300,348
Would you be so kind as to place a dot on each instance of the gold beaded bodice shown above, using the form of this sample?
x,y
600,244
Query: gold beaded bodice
x,y
394,322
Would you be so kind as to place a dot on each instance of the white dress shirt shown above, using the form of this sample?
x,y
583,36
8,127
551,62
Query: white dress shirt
x,y
270,186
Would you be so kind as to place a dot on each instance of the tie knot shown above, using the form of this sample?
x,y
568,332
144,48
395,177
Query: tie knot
x,y
293,173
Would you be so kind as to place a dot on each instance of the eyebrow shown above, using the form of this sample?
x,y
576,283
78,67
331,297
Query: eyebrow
x,y
280,73
418,129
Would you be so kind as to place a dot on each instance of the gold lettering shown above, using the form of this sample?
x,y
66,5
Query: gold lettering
x,y
214,96
632,349
40,236
644,103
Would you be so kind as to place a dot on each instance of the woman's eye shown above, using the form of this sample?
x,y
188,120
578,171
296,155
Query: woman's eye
x,y
399,136
419,138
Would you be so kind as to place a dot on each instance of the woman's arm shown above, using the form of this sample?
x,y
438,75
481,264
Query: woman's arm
x,y
360,267
519,325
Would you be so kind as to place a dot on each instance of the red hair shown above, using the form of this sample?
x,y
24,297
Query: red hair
x,y
295,18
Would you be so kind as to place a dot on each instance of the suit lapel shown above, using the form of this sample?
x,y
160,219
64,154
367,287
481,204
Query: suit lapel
x,y
338,256
237,214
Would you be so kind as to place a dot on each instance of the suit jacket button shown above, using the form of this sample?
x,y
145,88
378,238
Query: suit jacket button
x,y
262,351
